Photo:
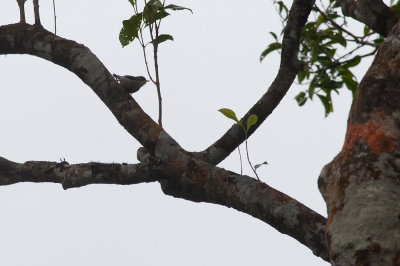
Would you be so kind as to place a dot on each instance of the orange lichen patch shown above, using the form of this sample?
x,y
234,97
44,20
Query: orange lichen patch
x,y
331,215
381,135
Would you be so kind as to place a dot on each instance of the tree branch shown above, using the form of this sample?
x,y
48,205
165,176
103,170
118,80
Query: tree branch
x,y
21,5
182,175
36,12
198,181
187,178
26,39
75,175
373,13
356,39
288,70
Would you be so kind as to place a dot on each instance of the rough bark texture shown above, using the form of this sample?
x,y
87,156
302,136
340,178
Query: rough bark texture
x,y
361,186
187,176
76,175
198,181
375,14
27,39
289,67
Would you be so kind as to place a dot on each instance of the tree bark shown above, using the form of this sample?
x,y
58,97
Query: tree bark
x,y
188,177
374,14
74,175
361,186
288,69
21,5
36,12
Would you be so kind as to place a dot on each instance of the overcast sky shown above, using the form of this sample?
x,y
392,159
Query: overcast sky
x,y
47,113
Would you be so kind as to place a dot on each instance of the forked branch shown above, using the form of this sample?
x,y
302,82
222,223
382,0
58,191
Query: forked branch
x,y
289,67
181,174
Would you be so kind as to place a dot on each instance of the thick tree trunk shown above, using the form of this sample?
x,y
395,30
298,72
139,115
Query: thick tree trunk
x,y
361,186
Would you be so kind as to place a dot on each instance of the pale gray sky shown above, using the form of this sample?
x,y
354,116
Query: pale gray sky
x,y
47,113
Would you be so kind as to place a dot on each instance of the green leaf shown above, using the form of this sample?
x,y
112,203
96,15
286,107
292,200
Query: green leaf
x,y
353,62
301,76
327,103
150,18
272,47
320,20
251,121
311,90
133,3
155,3
175,7
338,38
366,30
301,98
125,38
331,53
350,83
130,29
162,38
153,11
378,40
229,113
274,35
331,84
282,7
260,164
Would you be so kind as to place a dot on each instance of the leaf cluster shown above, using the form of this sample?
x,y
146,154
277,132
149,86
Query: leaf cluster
x,y
153,12
329,50
251,121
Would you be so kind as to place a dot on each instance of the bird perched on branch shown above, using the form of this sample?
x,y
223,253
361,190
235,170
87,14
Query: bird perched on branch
x,y
131,83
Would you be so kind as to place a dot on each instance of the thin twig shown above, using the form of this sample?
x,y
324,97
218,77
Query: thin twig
x,y
248,158
159,21
21,4
361,56
158,85
241,163
141,40
36,12
361,42
55,17
154,33
356,38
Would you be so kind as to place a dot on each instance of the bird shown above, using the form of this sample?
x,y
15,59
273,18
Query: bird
x,y
131,83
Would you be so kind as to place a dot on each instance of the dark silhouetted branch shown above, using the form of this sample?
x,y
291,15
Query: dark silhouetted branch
x,y
289,67
373,13
73,175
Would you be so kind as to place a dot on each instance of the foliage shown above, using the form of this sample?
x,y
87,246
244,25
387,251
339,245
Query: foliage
x,y
153,11
150,18
251,121
329,51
